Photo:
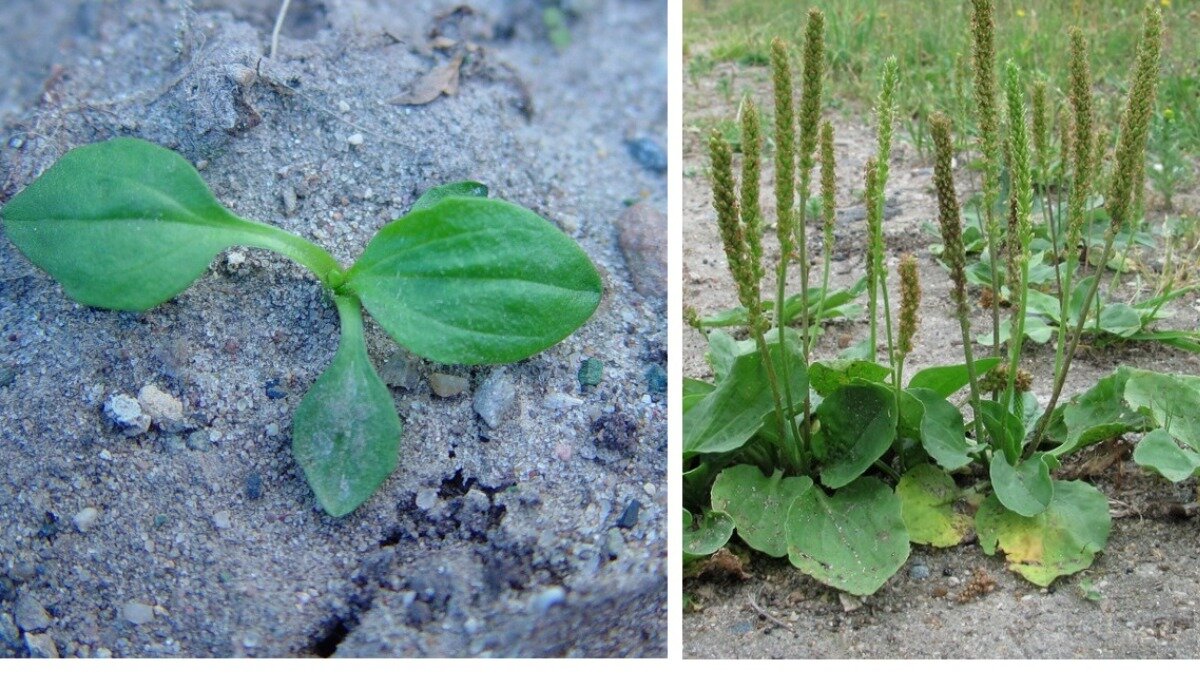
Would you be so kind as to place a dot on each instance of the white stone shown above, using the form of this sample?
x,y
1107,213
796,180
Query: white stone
x,y
86,518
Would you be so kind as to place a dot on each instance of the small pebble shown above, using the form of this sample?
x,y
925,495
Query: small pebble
x,y
560,401
288,197
656,379
198,441
104,653
642,238
7,376
30,615
86,518
126,414
648,153
254,486
272,429
542,602
447,385
495,398
355,139
918,572
137,613
160,520
629,517
400,371
174,444
164,409
426,499
343,107
274,391
41,646
10,635
614,544
222,520
591,371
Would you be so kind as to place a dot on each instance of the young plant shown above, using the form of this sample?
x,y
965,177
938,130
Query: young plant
x,y
128,225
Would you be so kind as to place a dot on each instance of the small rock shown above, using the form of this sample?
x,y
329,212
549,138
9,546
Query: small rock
x,y
274,391
288,197
400,371
10,635
104,653
86,518
174,444
30,615
614,543
355,139
41,646
126,414
648,153
254,486
591,371
849,602
137,613
234,260
222,520
642,237
23,570
495,398
629,517
561,401
542,602
164,409
7,376
426,499
251,639
447,385
272,429
198,441
343,107
918,572
656,379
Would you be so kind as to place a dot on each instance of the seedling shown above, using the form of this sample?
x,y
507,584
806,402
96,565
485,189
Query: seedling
x,y
128,225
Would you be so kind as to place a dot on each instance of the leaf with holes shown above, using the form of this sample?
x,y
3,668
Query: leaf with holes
x,y
927,495
858,424
759,505
705,535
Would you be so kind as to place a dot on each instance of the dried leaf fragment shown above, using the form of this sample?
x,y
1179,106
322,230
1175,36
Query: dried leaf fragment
x,y
440,80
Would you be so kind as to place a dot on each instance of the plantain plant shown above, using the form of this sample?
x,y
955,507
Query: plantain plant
x,y
127,225
880,463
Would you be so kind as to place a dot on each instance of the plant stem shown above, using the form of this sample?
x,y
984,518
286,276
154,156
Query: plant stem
x,y
299,249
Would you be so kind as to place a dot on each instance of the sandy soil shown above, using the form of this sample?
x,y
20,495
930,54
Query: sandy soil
x,y
1147,577
544,536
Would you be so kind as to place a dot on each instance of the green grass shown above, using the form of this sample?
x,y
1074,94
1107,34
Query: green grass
x,y
931,40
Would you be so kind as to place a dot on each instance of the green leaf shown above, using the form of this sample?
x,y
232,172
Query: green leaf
x,y
723,350
853,540
1161,454
126,224
827,376
946,380
1004,428
472,281
434,195
1099,413
759,505
1172,401
927,495
735,410
1036,329
694,391
1025,488
858,424
1120,319
1061,540
706,536
345,433
943,434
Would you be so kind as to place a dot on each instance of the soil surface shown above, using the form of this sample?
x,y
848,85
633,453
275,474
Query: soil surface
x,y
543,535
1147,578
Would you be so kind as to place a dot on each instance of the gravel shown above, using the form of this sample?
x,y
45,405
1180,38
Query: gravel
x,y
126,414
30,615
137,613
86,518
496,398
447,385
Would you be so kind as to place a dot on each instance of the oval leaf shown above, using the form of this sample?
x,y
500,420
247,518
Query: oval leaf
x,y
472,281
1005,429
853,540
1161,454
1025,488
858,424
1061,540
927,495
1173,401
122,224
706,535
943,434
826,376
946,380
433,195
345,433
758,505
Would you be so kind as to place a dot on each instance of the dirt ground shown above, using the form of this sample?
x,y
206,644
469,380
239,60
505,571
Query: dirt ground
x,y
1147,578
543,536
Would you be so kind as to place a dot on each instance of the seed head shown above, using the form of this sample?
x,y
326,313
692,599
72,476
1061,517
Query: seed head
x,y
785,142
874,236
984,57
751,169
810,97
910,302
948,214
1135,122
828,185
1041,132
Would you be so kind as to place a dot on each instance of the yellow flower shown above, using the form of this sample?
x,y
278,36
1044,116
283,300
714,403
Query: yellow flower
x,y
1021,12
1165,3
